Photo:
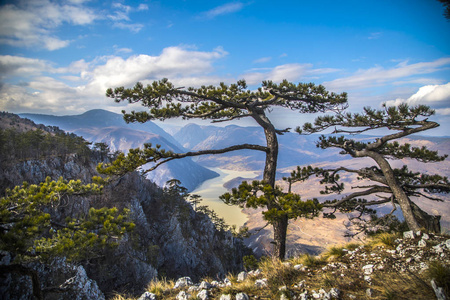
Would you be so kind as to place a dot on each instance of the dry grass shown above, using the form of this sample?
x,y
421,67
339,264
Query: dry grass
x,y
406,286
441,274
334,253
122,297
385,283
160,286
383,240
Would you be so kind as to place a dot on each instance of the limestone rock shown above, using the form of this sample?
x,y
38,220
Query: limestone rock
x,y
203,295
261,283
440,295
183,282
422,243
242,296
183,296
147,296
205,285
335,293
408,234
242,276
368,269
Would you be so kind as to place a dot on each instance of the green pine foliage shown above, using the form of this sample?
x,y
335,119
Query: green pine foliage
x,y
29,227
400,184
279,204
38,144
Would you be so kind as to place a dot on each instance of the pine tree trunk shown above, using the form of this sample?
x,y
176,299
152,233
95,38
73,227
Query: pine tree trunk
x,y
270,170
397,191
270,167
279,237
429,222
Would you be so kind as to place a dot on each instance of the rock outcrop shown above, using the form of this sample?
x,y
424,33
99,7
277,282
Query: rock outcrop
x,y
400,268
170,238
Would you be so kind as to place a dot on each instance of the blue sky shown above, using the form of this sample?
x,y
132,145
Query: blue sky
x,y
59,57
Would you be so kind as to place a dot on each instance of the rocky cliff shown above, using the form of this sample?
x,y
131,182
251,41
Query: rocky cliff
x,y
170,238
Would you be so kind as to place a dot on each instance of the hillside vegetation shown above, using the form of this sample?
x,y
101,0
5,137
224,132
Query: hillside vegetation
x,y
168,238
387,266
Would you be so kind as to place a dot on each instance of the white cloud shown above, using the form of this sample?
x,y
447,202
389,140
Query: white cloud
x,y
121,12
173,62
262,60
435,96
82,85
419,81
16,65
131,27
123,50
291,72
223,10
142,7
380,76
120,16
32,23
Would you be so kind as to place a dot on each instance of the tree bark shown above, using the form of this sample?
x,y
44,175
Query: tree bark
x,y
279,237
270,170
397,190
429,222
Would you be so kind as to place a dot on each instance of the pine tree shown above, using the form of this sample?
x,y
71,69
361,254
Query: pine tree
x,y
30,231
399,184
222,103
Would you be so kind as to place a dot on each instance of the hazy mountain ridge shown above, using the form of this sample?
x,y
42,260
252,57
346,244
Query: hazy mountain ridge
x,y
306,235
104,126
294,149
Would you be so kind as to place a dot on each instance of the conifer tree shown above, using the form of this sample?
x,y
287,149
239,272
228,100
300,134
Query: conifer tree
x,y
222,103
399,185
30,230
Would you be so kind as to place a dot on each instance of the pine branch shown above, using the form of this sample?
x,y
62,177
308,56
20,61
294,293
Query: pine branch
x,y
373,190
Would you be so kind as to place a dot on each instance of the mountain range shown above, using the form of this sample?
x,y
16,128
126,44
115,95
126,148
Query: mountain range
x,y
295,149
110,128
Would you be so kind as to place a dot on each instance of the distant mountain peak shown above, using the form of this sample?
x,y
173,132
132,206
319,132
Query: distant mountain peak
x,y
98,111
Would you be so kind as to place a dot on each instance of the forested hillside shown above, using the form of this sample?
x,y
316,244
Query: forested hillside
x,y
169,238
101,126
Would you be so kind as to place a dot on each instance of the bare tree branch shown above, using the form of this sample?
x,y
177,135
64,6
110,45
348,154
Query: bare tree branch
x,y
203,152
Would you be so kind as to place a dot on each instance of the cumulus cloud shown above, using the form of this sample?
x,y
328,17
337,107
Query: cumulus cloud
x,y
380,76
22,66
82,85
173,62
32,23
435,96
223,10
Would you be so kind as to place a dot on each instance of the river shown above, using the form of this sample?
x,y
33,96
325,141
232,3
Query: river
x,y
211,189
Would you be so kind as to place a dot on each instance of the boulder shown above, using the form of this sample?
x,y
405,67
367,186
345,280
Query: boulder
x,y
242,296
183,282
147,296
408,234
183,296
242,276
203,295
